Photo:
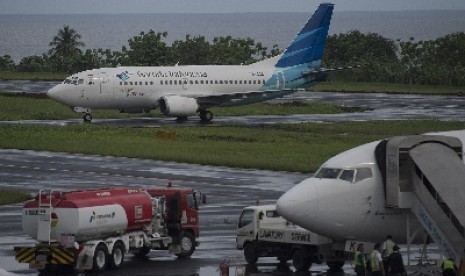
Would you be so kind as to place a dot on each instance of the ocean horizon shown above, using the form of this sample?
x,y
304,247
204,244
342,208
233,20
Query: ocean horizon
x,y
26,34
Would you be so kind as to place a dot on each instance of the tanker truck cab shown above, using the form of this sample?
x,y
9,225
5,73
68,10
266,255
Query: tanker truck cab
x,y
94,229
262,232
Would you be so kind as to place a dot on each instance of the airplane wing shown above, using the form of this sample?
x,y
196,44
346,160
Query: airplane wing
x,y
237,98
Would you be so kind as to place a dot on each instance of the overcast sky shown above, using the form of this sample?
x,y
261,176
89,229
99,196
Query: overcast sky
x,y
213,6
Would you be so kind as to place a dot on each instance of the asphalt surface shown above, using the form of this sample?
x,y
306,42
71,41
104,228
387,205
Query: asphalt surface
x,y
377,106
228,191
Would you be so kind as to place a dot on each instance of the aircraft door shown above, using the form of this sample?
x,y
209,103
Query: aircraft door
x,y
105,84
280,80
185,83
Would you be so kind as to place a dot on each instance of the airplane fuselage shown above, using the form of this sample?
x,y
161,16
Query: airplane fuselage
x,y
140,87
345,200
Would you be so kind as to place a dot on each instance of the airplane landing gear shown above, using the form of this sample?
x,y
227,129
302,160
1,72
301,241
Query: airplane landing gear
x,y
87,118
206,116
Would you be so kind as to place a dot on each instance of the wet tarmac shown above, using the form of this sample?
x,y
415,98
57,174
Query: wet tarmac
x,y
377,106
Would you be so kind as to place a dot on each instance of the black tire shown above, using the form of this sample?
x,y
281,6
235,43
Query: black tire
x,y
100,260
117,256
87,118
206,116
251,252
187,243
300,261
335,265
143,252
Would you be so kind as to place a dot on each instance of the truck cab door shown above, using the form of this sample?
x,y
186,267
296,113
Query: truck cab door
x,y
246,227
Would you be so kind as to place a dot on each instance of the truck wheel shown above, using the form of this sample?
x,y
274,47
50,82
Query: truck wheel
x,y
335,265
251,252
100,258
300,261
187,245
143,252
117,256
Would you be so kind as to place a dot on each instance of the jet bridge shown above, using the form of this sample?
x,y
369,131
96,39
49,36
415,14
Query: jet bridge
x,y
426,174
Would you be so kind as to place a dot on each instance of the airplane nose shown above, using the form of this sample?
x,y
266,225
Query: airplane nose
x,y
52,93
300,204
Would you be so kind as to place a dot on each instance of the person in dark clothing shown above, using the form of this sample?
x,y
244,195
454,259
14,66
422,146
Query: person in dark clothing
x,y
395,262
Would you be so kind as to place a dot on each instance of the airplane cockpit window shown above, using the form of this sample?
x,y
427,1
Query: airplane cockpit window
x,y
347,175
67,81
328,173
363,173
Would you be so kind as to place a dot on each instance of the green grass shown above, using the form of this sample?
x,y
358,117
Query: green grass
x,y
288,147
36,76
8,196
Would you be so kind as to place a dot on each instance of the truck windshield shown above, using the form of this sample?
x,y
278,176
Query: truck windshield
x,y
246,218
192,202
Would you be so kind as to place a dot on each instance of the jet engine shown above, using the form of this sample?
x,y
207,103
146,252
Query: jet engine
x,y
177,106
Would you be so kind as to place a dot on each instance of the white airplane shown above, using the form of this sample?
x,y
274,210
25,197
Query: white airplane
x,y
346,199
181,91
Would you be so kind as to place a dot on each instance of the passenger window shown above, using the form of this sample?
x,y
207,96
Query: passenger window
x,y
201,82
246,218
146,83
161,82
151,82
130,83
196,82
125,83
347,175
191,82
254,82
363,173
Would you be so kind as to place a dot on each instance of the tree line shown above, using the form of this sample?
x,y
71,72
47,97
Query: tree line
x,y
434,62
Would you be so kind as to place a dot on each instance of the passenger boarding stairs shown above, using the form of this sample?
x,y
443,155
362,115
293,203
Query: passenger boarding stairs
x,y
426,174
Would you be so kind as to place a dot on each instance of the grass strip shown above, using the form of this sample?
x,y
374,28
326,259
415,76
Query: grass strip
x,y
10,196
283,147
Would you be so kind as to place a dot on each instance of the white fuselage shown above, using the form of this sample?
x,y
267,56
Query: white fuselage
x,y
347,202
127,88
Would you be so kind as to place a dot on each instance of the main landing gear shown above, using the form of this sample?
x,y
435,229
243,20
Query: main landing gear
x,y
206,116
87,118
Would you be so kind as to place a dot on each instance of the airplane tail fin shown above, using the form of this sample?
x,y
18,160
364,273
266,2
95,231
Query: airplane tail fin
x,y
308,46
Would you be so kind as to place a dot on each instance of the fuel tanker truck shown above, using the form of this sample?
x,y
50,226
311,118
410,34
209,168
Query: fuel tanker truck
x,y
93,229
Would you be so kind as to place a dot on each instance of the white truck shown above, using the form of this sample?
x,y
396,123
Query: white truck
x,y
261,232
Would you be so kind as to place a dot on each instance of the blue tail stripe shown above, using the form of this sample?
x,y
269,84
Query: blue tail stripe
x,y
309,44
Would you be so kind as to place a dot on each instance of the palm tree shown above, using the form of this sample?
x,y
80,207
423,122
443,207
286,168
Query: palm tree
x,y
66,43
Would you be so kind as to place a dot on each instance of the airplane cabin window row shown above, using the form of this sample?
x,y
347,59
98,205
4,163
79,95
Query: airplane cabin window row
x,y
184,82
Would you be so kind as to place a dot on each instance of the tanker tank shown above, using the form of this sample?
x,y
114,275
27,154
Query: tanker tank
x,y
81,215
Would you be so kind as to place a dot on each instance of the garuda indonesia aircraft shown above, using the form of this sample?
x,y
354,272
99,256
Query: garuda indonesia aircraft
x,y
181,91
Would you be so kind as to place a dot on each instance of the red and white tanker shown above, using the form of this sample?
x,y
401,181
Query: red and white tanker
x,y
93,229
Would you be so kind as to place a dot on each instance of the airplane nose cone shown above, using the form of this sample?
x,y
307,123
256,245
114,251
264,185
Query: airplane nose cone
x,y
300,204
52,93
